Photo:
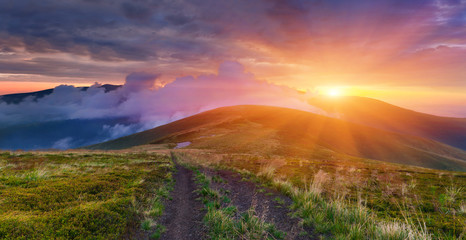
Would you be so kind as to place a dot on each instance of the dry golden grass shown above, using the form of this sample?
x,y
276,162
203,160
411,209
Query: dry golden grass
x,y
412,200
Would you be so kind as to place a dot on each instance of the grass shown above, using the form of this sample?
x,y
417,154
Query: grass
x,y
160,229
346,221
358,200
223,219
279,201
118,195
270,131
81,196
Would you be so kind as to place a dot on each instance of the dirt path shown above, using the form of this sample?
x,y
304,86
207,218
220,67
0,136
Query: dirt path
x,y
245,194
183,214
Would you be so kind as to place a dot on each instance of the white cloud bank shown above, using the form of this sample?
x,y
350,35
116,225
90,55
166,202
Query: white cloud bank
x,y
148,107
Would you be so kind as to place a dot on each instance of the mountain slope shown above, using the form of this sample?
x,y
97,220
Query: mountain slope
x,y
61,134
288,132
375,113
16,98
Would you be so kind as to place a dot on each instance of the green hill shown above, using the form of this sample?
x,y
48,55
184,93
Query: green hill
x,y
379,114
288,132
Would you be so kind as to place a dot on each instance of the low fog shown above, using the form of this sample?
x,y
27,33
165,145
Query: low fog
x,y
70,117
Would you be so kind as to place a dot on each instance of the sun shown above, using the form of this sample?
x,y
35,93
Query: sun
x,y
334,92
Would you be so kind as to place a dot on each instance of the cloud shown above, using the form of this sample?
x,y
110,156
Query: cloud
x,y
120,130
189,95
137,105
50,67
139,81
356,38
63,143
135,11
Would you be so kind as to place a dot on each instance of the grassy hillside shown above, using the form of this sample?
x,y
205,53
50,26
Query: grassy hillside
x,y
288,132
371,112
81,196
134,193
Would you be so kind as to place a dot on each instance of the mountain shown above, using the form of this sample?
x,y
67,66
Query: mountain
x,y
375,113
61,134
288,132
19,97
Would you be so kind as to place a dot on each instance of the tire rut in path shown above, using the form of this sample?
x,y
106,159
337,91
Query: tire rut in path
x,y
183,214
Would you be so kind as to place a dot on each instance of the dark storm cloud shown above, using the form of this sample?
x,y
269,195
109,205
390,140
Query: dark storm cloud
x,y
67,23
106,30
136,10
66,26
177,19
205,32
56,68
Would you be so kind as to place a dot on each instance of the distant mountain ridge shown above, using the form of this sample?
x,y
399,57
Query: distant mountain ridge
x,y
58,134
422,135
289,132
379,114
16,98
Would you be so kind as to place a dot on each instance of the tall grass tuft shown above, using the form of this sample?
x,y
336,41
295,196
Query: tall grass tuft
x,y
340,219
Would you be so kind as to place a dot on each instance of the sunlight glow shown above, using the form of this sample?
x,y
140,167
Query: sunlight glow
x,y
334,92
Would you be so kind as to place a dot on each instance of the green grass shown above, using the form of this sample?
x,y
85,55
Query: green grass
x,y
358,199
146,225
160,229
80,196
279,201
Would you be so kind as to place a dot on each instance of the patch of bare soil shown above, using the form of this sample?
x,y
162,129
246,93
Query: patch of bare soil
x,y
269,205
183,214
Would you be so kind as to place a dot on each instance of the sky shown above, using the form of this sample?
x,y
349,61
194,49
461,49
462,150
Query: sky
x,y
409,53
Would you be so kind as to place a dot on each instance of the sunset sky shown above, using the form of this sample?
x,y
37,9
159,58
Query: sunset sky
x,y
410,53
